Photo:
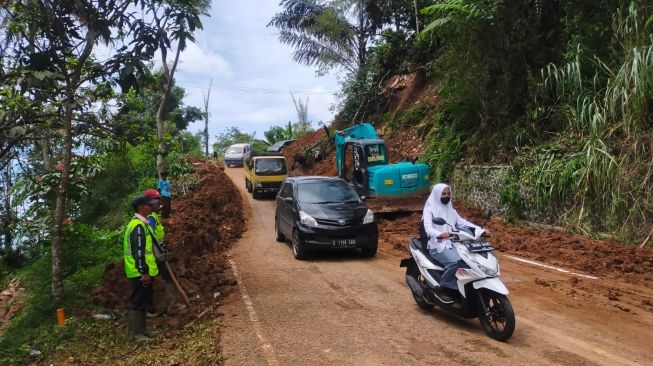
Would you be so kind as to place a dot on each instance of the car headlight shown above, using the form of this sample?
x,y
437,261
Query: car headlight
x,y
306,219
369,217
258,184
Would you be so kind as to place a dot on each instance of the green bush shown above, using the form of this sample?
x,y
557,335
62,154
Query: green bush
x,y
445,148
87,252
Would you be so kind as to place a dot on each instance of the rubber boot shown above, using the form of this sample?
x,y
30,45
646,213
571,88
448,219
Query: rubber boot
x,y
135,324
146,332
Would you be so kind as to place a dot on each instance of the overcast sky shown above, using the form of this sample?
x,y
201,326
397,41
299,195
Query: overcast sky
x,y
252,72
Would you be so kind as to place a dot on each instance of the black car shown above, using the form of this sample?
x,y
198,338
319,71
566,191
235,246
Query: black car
x,y
323,213
280,145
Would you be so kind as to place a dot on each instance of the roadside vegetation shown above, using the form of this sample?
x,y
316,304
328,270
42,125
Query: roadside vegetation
x,y
80,134
561,91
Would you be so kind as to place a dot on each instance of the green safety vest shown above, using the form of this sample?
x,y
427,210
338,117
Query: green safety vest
x,y
130,262
159,232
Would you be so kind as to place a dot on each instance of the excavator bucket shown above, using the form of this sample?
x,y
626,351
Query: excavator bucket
x,y
383,206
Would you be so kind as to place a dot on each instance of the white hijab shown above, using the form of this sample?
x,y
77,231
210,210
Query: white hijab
x,y
435,208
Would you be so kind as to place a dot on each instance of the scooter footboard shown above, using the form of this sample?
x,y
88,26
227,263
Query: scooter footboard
x,y
492,284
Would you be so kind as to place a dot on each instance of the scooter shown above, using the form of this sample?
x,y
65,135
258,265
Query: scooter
x,y
480,290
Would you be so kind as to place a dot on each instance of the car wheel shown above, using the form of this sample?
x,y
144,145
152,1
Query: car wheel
x,y
369,252
248,186
256,195
298,248
277,234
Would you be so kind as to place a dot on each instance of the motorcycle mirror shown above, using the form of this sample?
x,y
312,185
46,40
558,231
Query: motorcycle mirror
x,y
439,221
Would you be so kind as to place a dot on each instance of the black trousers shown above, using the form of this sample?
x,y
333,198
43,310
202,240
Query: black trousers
x,y
166,201
141,295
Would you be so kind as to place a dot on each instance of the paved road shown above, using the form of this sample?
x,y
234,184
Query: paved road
x,y
345,310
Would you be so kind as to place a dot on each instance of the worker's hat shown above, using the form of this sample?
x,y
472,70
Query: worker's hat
x,y
142,200
152,193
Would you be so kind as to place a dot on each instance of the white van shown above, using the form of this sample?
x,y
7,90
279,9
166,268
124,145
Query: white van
x,y
236,154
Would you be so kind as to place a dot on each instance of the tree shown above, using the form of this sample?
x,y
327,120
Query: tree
x,y
230,136
57,89
137,110
330,34
303,124
173,21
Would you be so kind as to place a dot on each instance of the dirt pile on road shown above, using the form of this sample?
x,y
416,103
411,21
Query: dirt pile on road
x,y
599,257
203,225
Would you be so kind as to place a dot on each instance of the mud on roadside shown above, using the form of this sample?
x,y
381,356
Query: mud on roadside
x,y
626,271
203,225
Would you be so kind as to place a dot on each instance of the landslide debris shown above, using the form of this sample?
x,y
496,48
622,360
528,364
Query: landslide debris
x,y
599,257
315,153
203,225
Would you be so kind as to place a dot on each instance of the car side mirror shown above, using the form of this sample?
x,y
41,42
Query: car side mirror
x,y
439,221
289,200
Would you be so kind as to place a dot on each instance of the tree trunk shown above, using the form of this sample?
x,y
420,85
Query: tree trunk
x,y
8,214
45,152
60,205
160,113
56,232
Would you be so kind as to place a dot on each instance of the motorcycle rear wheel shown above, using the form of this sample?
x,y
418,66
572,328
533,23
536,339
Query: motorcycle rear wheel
x,y
499,321
414,272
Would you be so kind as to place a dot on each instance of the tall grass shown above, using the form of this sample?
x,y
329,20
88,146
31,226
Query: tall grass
x,y
607,177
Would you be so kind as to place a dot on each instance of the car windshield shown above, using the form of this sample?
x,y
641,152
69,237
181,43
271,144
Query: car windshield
x,y
375,154
270,166
326,192
234,150
276,146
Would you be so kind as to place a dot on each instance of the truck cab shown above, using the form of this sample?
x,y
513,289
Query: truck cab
x,y
264,173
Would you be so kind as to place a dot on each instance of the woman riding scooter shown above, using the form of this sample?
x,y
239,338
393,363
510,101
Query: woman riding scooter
x,y
437,238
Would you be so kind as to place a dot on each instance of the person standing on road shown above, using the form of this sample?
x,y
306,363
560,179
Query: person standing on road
x,y
437,237
163,186
161,253
140,266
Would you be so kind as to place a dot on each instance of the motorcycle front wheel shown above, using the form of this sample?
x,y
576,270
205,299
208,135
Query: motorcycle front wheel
x,y
499,320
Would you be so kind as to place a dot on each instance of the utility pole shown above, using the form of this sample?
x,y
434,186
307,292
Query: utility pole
x,y
206,120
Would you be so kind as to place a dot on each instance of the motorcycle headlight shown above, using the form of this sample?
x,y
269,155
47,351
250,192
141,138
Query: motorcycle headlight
x,y
490,272
306,219
369,217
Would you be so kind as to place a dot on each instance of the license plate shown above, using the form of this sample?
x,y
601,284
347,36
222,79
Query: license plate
x,y
342,243
479,246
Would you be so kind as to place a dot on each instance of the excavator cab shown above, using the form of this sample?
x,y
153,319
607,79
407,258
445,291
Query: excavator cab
x,y
360,156
362,160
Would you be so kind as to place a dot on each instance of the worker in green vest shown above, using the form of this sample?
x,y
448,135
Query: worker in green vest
x,y
140,266
161,253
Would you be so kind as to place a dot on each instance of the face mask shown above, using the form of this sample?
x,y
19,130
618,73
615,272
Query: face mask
x,y
445,200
